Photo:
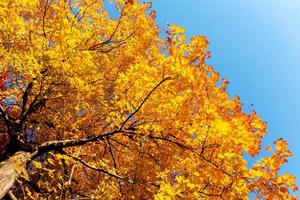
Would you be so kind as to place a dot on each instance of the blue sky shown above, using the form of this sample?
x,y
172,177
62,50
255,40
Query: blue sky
x,y
256,45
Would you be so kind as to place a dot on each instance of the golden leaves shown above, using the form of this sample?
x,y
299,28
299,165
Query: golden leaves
x,y
281,144
185,140
38,165
266,172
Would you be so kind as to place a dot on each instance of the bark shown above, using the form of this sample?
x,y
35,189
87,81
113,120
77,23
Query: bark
x,y
10,170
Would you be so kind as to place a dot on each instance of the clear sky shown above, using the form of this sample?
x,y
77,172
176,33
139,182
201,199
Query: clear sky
x,y
256,45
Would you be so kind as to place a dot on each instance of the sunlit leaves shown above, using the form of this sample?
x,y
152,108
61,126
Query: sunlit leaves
x,y
178,134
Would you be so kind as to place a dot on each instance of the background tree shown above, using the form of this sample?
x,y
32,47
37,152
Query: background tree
x,y
102,108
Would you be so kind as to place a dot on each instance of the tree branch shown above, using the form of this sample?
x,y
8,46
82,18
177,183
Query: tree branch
x,y
5,117
12,196
102,170
25,96
143,102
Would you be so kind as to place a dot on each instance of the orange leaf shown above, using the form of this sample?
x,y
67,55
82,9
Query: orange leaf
x,y
268,148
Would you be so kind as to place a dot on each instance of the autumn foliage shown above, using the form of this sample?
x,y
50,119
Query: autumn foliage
x,y
108,109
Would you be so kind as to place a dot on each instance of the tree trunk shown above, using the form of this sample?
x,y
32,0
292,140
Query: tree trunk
x,y
10,170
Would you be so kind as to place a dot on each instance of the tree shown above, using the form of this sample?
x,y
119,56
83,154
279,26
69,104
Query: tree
x,y
98,107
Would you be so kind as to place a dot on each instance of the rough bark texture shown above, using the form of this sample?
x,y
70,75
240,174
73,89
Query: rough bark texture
x,y
10,170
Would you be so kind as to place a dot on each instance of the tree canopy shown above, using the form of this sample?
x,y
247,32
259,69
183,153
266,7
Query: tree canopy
x,y
101,107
